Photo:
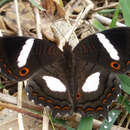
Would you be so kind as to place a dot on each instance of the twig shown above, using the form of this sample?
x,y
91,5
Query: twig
x,y
106,2
18,18
20,110
38,23
67,36
81,16
12,100
106,7
20,121
24,111
123,118
20,118
128,122
88,8
20,84
8,98
106,20
45,121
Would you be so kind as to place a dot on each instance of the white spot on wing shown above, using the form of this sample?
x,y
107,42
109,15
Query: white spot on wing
x,y
108,46
105,126
54,84
23,56
91,83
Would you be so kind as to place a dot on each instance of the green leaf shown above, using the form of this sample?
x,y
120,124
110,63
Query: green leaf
x,y
58,121
85,124
68,128
106,11
125,5
127,105
61,3
3,2
114,20
36,5
125,83
51,121
112,116
98,25
123,100
1,86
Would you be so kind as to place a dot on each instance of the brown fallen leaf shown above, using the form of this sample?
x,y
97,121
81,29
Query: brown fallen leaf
x,y
53,12
27,19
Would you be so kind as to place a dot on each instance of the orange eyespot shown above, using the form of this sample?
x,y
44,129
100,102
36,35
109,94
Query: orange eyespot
x,y
115,65
9,71
23,71
128,62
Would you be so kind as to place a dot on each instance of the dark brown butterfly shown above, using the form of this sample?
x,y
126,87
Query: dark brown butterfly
x,y
81,80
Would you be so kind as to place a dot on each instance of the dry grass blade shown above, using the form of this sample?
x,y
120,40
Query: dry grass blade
x,y
20,84
106,20
18,18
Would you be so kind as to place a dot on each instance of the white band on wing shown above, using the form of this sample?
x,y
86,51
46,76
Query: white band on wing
x,y
54,84
108,46
24,53
92,82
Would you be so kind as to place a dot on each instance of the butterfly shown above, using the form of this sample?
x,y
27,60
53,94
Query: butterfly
x,y
81,80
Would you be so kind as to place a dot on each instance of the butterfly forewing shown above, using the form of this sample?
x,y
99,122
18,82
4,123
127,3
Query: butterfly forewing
x,y
20,57
109,49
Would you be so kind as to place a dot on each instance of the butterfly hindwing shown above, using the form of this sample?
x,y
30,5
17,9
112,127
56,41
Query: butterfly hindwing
x,y
51,88
96,90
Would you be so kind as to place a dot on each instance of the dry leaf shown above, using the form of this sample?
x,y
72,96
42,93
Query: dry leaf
x,y
27,19
53,12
